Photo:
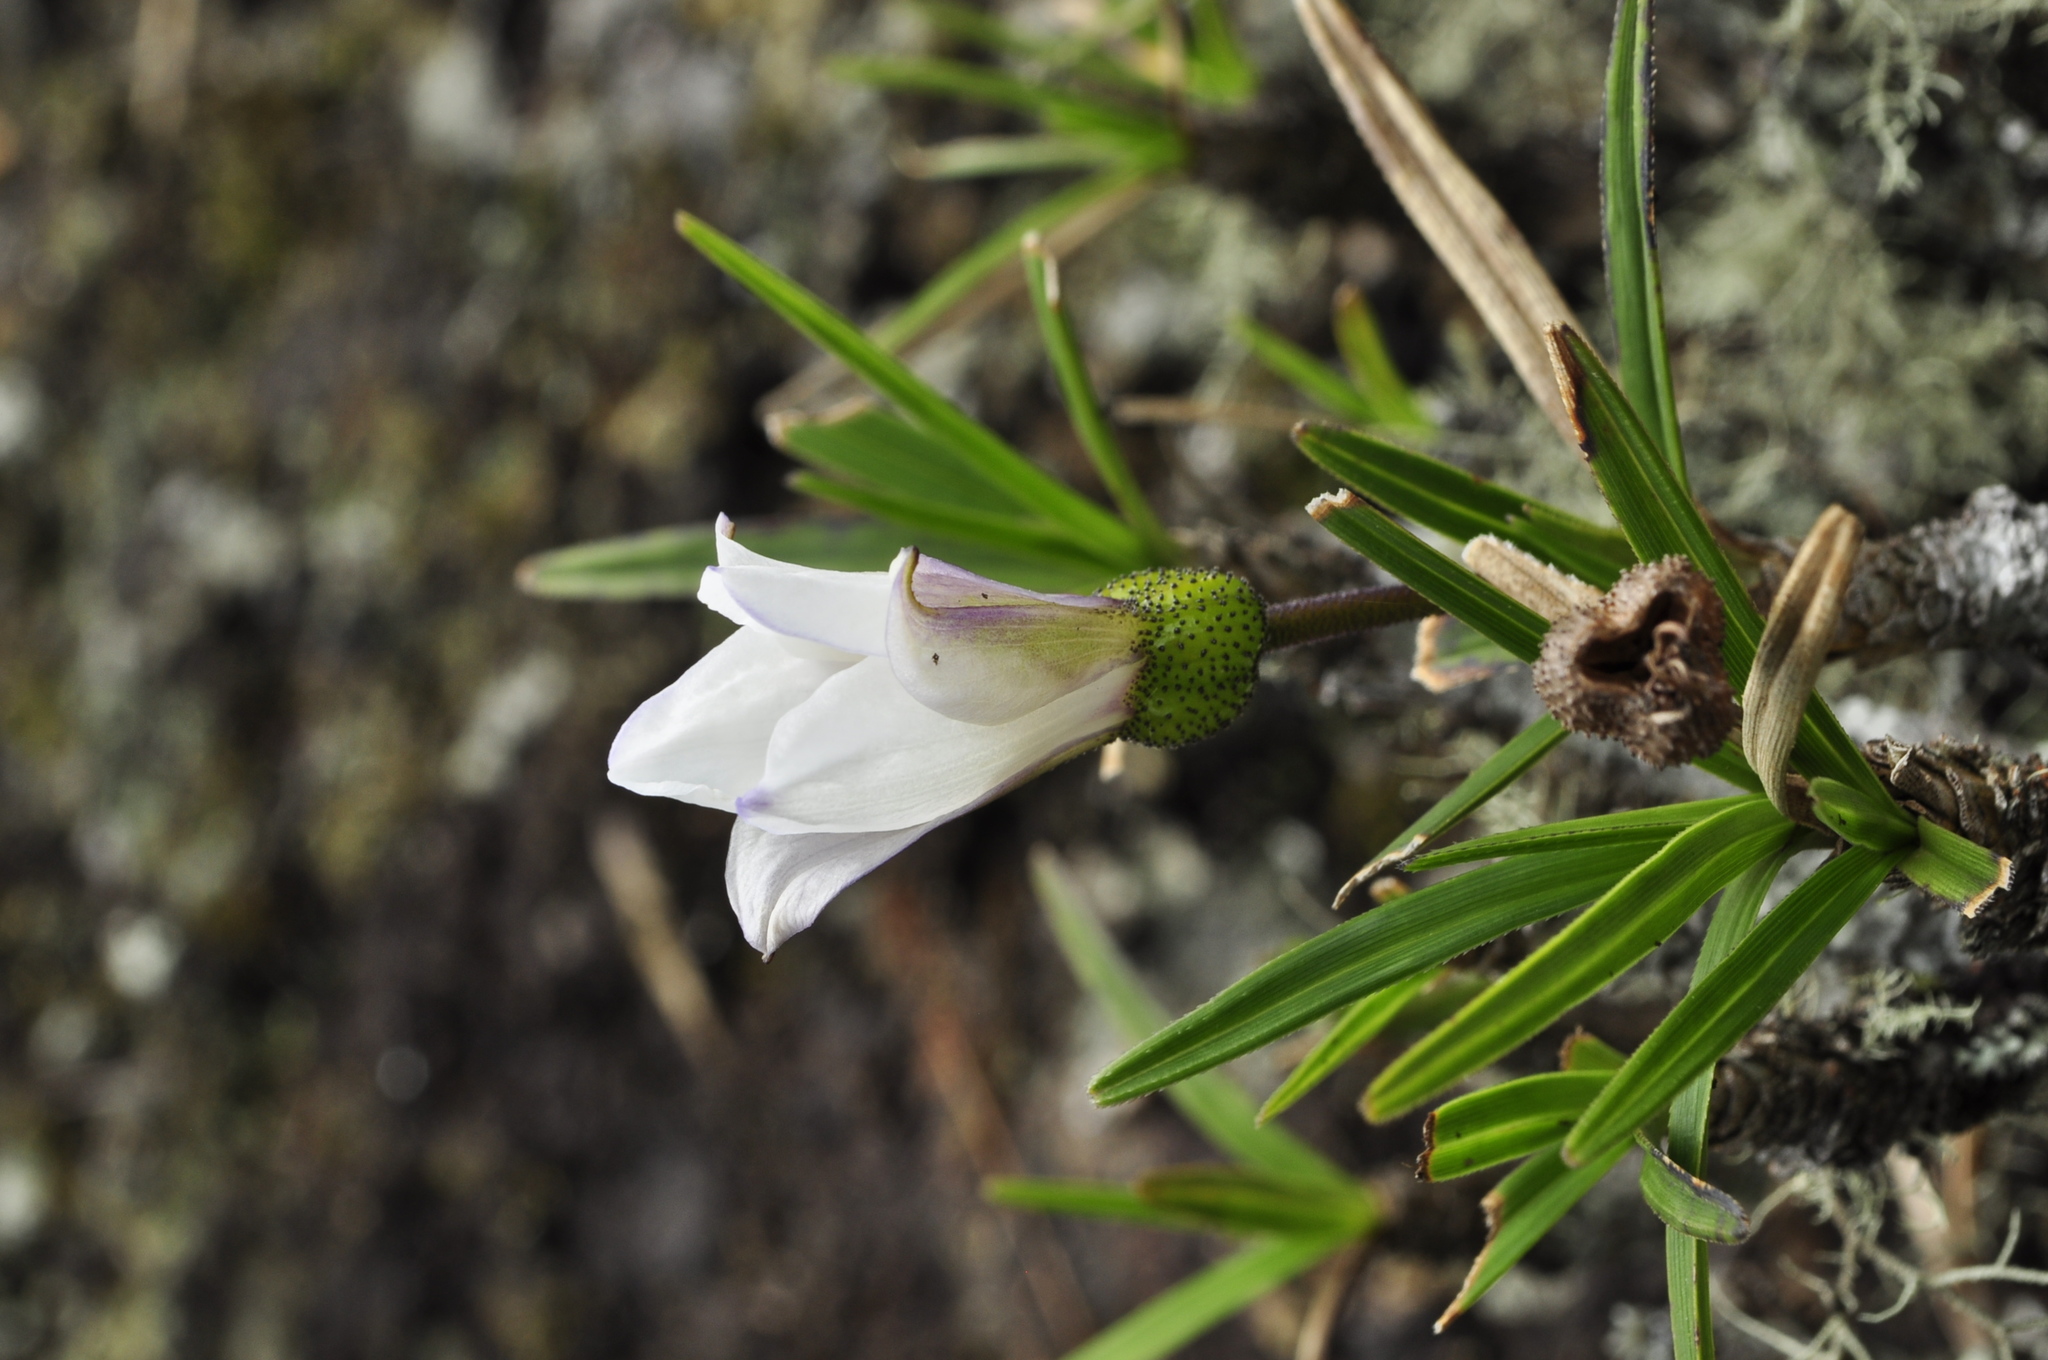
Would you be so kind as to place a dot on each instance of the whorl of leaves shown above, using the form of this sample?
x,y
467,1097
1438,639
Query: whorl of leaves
x,y
2000,802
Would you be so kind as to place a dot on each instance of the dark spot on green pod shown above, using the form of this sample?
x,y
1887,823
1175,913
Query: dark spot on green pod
x,y
1184,694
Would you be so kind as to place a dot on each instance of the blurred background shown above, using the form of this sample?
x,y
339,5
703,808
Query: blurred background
x,y
325,948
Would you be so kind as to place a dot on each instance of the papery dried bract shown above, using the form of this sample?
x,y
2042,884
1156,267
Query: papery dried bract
x,y
1642,665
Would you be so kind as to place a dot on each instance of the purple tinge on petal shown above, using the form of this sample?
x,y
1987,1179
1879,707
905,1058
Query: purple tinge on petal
x,y
779,884
982,652
941,585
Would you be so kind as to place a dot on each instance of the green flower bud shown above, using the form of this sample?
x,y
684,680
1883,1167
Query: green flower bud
x,y
1202,634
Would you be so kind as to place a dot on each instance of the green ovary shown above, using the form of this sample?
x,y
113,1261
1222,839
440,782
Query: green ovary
x,y
1203,631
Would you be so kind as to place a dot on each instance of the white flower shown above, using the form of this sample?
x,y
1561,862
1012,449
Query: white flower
x,y
854,711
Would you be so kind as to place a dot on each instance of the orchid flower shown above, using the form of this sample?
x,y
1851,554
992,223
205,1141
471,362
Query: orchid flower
x,y
854,711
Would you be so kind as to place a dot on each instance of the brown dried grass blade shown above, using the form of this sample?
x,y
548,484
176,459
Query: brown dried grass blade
x,y
1457,216
1804,615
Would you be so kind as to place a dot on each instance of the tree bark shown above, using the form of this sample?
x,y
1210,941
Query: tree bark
x,y
1978,579
1892,1069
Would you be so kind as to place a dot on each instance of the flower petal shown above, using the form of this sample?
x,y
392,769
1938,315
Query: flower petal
x,y
984,652
779,884
844,610
704,739
862,755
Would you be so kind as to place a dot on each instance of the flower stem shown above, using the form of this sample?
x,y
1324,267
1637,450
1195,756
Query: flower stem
x,y
1319,617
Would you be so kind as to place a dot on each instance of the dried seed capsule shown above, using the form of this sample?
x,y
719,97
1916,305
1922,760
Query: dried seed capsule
x,y
1642,665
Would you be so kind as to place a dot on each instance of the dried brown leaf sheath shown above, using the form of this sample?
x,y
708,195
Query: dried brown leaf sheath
x,y
1463,223
1642,665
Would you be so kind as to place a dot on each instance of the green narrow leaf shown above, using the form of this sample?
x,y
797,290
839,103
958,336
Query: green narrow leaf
x,y
1955,867
1042,279
984,30
952,285
1660,519
1448,584
1731,999
1560,535
1730,765
1656,513
1086,1199
1439,997
874,449
1495,773
977,157
1459,505
1504,1122
1587,1052
1091,529
1730,924
1688,1205
1413,934
923,519
1304,372
1876,824
1214,1105
1149,136
1629,920
1360,1024
668,563
1233,1200
1688,1285
1518,1212
1218,71
1629,200
1170,1320
1641,826
1372,369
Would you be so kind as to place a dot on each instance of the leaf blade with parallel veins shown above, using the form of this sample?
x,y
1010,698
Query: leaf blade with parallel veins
x,y
1495,773
1502,1123
1415,933
1169,1320
1459,505
1360,1024
1644,826
1733,998
1519,1211
1111,1200
1450,585
1629,204
1235,1200
1687,1204
1628,921
1091,530
668,563
1217,1107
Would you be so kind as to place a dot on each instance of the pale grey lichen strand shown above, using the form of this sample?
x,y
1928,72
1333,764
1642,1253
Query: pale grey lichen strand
x,y
1978,580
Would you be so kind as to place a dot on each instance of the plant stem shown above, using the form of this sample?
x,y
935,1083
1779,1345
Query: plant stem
x,y
1320,617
